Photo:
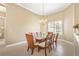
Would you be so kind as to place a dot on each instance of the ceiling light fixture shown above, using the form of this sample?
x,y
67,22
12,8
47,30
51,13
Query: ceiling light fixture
x,y
43,20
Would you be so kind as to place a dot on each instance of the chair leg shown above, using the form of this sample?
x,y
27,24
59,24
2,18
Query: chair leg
x,y
27,48
49,48
32,51
56,43
38,49
53,45
45,52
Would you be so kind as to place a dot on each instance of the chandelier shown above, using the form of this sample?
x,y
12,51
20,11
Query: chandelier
x,y
43,20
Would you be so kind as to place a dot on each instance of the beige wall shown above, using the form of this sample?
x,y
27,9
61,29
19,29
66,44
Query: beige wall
x,y
68,23
76,13
67,18
19,22
43,26
56,16
52,17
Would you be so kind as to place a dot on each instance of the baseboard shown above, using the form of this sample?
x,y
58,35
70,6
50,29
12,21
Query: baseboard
x,y
18,43
2,42
67,41
22,42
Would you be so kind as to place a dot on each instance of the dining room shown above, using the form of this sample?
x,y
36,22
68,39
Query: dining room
x,y
39,29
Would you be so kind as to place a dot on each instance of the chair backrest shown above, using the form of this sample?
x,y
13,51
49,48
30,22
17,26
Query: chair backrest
x,y
40,34
36,34
50,32
53,37
31,33
56,37
30,40
49,35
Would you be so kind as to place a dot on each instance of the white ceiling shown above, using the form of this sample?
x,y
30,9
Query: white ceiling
x,y
44,8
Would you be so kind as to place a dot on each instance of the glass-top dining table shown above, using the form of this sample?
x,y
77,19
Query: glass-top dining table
x,y
40,38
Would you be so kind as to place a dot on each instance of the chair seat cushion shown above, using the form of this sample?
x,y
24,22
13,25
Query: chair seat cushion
x,y
36,43
42,44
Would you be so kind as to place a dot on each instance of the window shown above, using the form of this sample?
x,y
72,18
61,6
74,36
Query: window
x,y
55,26
2,19
50,27
2,22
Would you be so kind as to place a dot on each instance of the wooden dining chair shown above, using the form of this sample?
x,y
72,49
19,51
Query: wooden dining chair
x,y
50,33
40,34
50,37
30,42
56,38
44,45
